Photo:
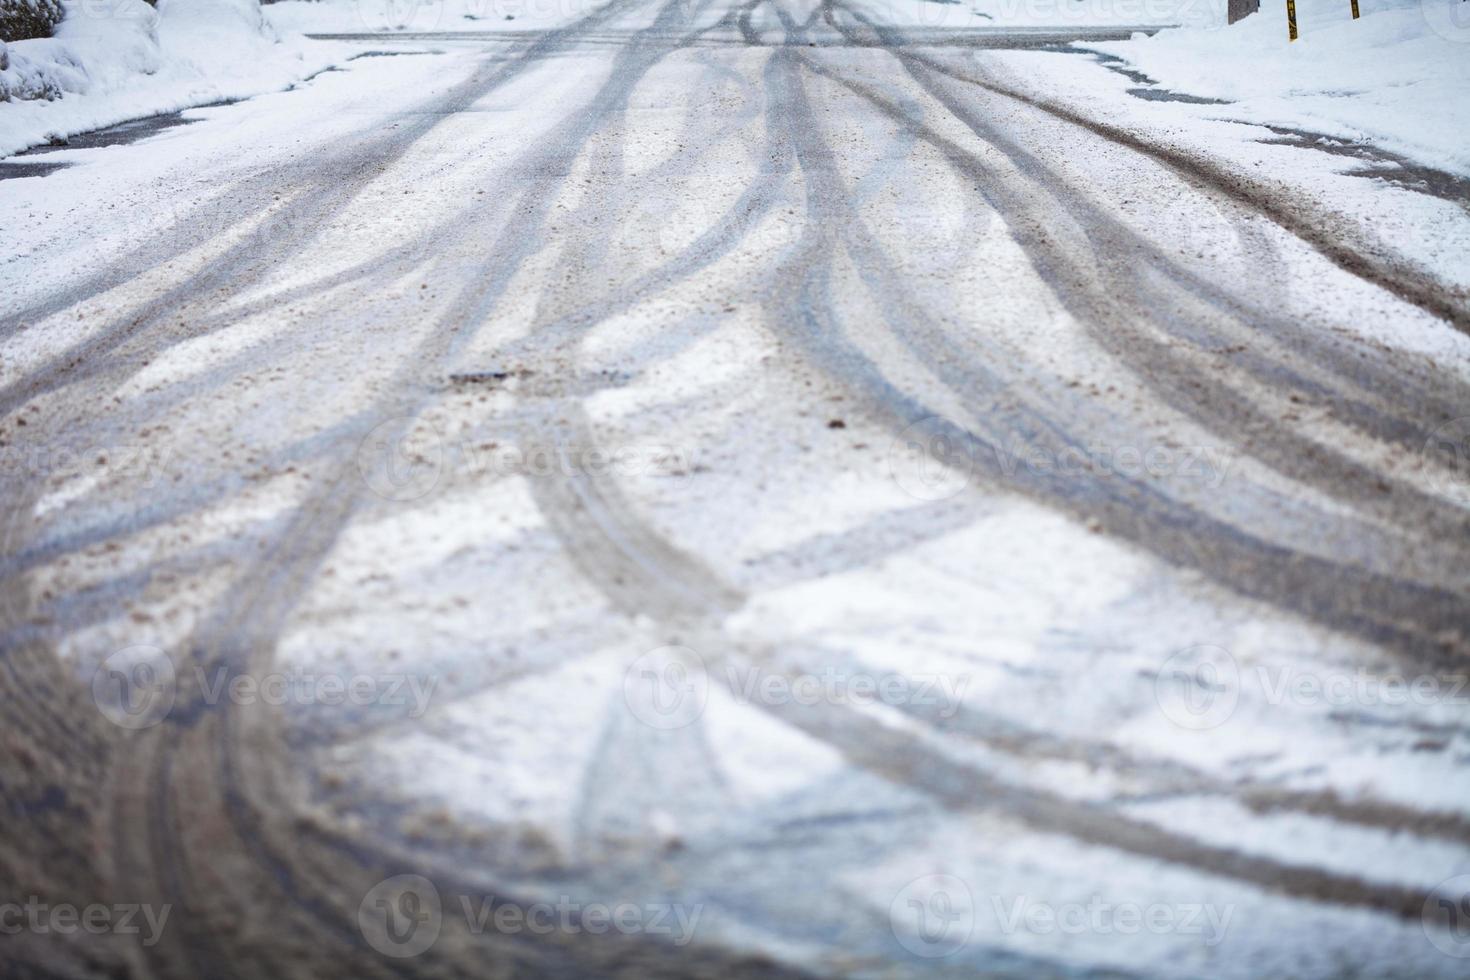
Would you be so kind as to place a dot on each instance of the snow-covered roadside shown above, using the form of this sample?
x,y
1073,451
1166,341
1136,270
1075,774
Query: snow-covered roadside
x,y
1397,77
1267,149
116,60
355,16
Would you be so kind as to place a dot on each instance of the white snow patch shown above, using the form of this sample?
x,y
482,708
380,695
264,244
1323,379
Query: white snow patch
x,y
1397,76
123,61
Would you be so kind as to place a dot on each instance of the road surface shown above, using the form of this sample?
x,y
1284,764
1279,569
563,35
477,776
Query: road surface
x,y
725,490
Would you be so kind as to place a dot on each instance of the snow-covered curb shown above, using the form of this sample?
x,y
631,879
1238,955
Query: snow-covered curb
x,y
1397,78
116,60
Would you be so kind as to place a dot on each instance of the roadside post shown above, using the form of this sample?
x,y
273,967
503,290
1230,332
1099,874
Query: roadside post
x,y
1291,15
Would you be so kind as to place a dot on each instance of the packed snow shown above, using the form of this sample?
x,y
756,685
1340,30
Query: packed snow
x,y
1397,77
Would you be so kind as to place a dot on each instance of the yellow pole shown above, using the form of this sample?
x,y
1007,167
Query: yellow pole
x,y
1291,18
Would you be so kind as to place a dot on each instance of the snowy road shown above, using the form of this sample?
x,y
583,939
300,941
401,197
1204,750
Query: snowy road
x,y
769,492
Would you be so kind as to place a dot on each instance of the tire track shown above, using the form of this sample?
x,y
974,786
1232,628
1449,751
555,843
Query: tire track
x,y
1420,620
1298,216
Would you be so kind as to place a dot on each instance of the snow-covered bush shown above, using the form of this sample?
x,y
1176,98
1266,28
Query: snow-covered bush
x,y
109,61
96,45
21,20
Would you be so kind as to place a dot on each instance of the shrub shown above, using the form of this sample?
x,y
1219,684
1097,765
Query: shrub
x,y
21,20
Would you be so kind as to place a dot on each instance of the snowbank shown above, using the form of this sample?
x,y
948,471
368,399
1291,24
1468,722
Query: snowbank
x,y
1398,77
115,60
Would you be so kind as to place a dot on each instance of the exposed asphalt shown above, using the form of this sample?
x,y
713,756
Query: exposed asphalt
x,y
826,287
